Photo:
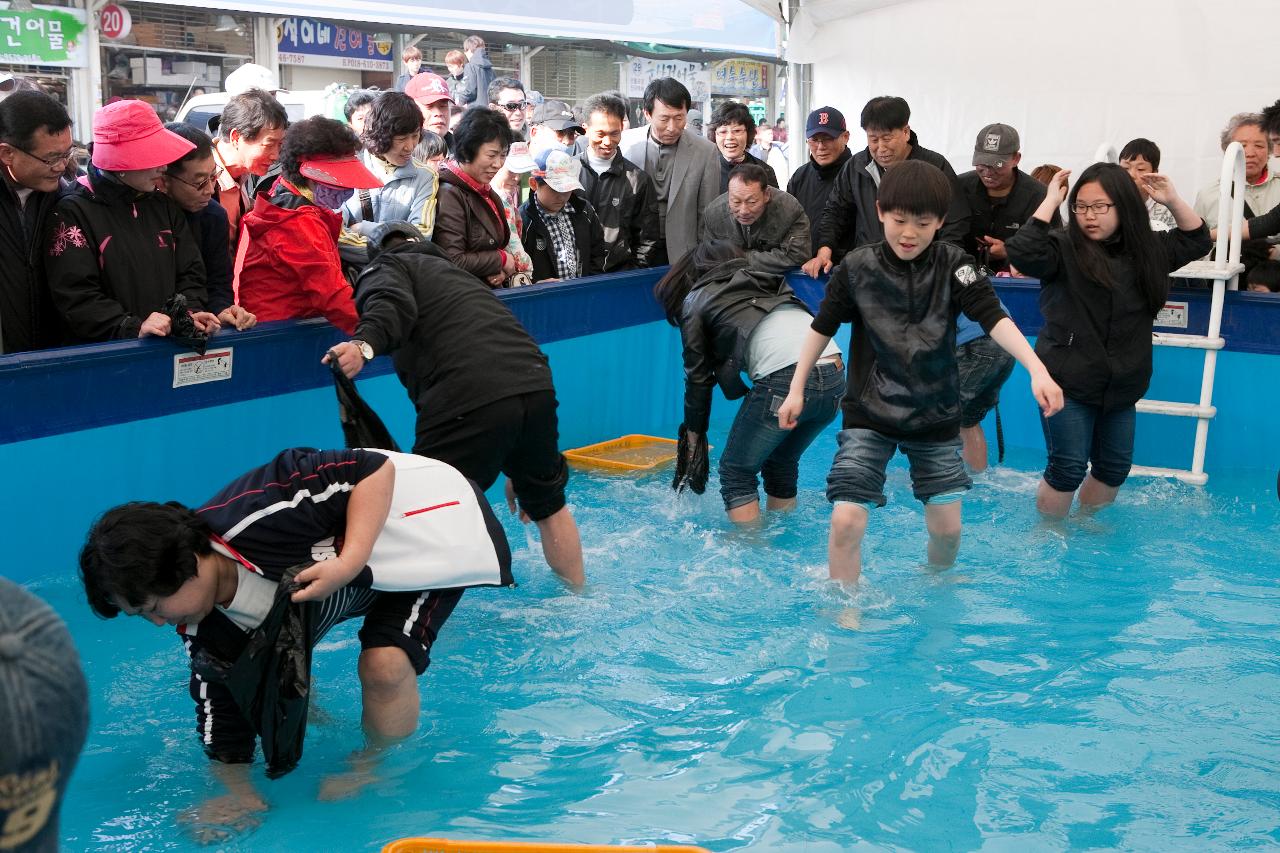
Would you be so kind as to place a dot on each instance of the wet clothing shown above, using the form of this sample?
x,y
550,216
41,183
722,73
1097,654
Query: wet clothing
x,y
626,203
288,267
998,217
565,245
903,378
209,227
28,320
114,255
1096,340
776,242
727,167
811,184
441,536
850,220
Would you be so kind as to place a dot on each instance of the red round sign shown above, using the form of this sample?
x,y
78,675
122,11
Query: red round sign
x,y
114,22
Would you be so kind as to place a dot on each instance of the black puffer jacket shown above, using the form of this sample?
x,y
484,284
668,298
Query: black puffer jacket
x,y
849,219
811,184
626,203
719,314
903,379
1096,340
27,318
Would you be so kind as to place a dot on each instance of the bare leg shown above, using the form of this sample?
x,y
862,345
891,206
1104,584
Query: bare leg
x,y
390,693
1094,495
975,448
746,513
562,547
779,504
943,523
1052,503
844,545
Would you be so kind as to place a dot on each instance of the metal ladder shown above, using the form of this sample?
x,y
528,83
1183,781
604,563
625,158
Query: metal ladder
x,y
1224,272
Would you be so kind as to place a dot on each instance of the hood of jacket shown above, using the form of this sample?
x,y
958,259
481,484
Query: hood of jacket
x,y
284,205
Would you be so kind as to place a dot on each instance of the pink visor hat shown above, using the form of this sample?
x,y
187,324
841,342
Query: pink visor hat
x,y
346,172
128,136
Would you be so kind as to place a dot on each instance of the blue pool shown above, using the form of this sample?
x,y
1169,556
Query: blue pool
x,y
1108,683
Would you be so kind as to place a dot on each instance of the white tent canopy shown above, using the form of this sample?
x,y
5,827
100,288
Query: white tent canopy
x,y
1068,74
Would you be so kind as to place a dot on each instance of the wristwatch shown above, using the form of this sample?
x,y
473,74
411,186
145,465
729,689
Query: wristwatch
x,y
365,349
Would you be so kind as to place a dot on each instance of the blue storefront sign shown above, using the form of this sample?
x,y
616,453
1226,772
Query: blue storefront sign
x,y
321,44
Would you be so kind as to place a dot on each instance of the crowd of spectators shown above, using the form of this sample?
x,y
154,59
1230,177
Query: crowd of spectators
x,y
268,220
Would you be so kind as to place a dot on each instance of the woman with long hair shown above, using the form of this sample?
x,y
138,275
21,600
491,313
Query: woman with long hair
x,y
1102,281
735,320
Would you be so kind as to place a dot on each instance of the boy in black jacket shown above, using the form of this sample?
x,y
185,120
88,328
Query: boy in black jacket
x,y
562,233
902,296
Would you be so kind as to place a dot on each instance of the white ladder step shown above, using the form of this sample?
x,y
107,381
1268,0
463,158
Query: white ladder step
x,y
1209,270
1169,339
1189,477
1184,410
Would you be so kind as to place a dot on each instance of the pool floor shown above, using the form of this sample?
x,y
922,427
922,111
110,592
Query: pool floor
x,y
1109,683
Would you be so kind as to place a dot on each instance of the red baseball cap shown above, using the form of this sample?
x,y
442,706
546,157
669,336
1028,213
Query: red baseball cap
x,y
427,88
346,172
128,135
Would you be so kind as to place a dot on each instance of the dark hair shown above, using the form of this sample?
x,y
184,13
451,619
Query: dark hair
x,y
500,83
393,114
251,113
312,137
1045,172
670,91
732,112
431,145
1136,237
887,112
672,288
915,188
1144,148
26,111
139,550
1266,273
750,173
1271,118
479,126
197,137
356,100
610,105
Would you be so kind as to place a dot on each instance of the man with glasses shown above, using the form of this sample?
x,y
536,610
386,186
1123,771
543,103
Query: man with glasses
x,y
507,95
1001,197
191,182
35,147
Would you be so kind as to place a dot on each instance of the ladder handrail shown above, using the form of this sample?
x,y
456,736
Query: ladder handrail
x,y
1231,186
1106,153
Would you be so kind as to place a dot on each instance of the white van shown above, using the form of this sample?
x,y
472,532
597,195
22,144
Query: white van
x,y
299,105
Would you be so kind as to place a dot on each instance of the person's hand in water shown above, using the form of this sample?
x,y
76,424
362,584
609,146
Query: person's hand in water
x,y
224,818
513,505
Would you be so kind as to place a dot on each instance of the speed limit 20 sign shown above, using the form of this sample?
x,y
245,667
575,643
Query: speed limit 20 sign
x,y
114,22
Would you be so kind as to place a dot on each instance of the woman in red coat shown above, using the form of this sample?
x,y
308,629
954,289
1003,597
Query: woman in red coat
x,y
288,266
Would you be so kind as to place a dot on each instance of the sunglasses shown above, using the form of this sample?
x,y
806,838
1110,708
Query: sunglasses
x,y
514,106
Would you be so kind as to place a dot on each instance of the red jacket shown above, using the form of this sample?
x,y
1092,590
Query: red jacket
x,y
287,267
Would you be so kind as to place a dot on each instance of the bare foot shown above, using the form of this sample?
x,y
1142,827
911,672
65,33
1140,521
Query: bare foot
x,y
223,818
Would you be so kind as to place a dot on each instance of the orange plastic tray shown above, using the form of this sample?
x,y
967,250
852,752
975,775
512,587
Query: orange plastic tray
x,y
628,454
444,845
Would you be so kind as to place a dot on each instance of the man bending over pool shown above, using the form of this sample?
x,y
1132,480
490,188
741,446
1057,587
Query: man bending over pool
x,y
392,537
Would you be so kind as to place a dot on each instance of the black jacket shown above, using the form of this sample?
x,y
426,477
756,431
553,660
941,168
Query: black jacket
x,y
114,255
721,311
1000,217
849,219
903,379
587,231
726,168
811,184
1096,340
455,345
209,227
626,203
27,317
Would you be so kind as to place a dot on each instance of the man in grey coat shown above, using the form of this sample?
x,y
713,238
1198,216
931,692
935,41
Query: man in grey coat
x,y
768,223
684,166
477,74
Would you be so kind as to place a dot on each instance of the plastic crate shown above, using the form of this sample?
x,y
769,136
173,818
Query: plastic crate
x,y
444,845
631,454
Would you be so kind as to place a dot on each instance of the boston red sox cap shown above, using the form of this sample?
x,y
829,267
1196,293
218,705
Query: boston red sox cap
x,y
828,120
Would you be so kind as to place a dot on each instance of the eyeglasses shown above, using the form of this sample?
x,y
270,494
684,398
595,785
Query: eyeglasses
x,y
1098,208
198,186
55,161
514,106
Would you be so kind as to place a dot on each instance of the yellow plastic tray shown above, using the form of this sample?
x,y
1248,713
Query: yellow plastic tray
x,y
630,454
444,845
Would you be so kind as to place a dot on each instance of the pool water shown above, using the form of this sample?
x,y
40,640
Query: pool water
x,y
1106,683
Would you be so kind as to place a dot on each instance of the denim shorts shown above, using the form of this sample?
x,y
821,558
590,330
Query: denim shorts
x,y
1082,438
857,474
984,368
757,445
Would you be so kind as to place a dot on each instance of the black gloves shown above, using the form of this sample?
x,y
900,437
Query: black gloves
x,y
692,463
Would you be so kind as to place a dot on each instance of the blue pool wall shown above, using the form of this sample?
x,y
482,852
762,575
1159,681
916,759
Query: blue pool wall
x,y
85,428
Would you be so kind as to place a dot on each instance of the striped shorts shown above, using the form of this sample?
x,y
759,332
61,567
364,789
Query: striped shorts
x,y
404,620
